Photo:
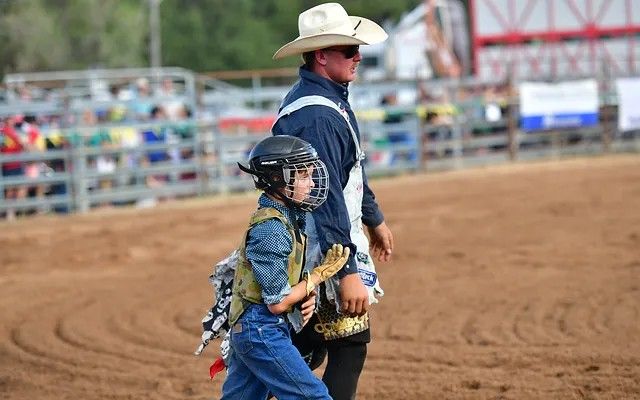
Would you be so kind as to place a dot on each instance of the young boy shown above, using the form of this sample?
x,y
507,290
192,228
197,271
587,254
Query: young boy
x,y
269,280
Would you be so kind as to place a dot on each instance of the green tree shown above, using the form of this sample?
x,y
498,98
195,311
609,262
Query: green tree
x,y
202,35
109,33
29,35
40,35
210,35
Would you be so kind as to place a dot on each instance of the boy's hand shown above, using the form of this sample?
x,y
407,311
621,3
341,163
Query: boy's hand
x,y
335,259
308,307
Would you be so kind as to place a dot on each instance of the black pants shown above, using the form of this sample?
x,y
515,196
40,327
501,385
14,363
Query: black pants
x,y
345,358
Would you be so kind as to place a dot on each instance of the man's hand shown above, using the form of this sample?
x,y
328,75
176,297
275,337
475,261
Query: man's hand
x,y
381,242
354,296
308,307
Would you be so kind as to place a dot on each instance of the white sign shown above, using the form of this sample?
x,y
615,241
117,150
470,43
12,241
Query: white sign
x,y
558,105
628,103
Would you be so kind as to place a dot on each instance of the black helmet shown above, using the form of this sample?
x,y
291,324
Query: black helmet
x,y
274,162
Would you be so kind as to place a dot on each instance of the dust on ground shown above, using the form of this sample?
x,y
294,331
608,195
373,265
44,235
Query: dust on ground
x,y
513,282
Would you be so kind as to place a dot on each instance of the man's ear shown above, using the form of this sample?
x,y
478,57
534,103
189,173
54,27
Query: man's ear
x,y
321,57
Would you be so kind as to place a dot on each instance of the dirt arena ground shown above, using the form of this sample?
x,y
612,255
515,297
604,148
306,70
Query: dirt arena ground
x,y
515,282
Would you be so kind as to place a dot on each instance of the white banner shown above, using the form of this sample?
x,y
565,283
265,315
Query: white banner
x,y
628,103
558,105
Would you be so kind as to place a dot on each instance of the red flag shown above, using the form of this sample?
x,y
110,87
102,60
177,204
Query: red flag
x,y
217,366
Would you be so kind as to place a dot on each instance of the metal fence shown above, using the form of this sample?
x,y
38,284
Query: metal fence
x,y
71,180
77,176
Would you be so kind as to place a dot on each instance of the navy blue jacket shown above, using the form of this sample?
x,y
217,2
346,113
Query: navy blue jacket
x,y
327,131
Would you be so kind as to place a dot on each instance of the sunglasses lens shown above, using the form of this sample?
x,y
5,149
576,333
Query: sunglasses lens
x,y
351,51
348,52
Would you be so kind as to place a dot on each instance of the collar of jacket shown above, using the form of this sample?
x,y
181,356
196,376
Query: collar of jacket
x,y
340,90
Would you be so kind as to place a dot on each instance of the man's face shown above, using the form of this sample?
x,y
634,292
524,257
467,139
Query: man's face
x,y
342,62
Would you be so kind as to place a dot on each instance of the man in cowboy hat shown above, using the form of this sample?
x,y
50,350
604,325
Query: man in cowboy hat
x,y
318,111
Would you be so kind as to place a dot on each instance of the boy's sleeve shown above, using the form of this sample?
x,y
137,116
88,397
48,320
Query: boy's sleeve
x,y
268,247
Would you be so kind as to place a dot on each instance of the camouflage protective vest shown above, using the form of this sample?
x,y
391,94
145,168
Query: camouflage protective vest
x,y
246,289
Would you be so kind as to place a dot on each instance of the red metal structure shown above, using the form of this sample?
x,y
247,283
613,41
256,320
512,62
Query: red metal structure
x,y
555,38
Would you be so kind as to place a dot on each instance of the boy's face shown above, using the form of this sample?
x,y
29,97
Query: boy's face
x,y
302,184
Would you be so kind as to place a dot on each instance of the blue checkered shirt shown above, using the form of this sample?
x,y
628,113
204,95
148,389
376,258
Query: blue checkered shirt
x,y
268,247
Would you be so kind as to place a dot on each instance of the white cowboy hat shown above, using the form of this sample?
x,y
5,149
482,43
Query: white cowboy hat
x,y
329,25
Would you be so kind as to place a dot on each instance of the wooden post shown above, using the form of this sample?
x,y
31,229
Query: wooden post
x,y
199,158
423,137
79,171
423,143
512,118
556,144
608,127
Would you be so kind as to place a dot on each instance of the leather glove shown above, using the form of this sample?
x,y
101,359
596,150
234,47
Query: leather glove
x,y
335,259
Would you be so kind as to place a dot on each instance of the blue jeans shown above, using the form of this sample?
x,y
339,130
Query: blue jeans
x,y
264,360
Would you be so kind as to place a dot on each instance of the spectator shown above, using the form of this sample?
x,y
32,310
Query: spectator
x,y
391,114
103,163
185,127
185,130
170,101
117,112
141,104
12,144
55,140
128,140
34,144
24,93
152,136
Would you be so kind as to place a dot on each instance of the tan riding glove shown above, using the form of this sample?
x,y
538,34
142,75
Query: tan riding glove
x,y
335,259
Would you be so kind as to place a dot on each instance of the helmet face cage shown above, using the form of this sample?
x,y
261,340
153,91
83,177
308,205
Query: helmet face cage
x,y
288,168
318,185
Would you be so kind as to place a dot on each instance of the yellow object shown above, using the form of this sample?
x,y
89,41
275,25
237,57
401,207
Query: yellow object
x,y
56,137
374,114
439,109
335,259
123,134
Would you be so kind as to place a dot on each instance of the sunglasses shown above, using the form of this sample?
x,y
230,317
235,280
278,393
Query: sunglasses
x,y
348,52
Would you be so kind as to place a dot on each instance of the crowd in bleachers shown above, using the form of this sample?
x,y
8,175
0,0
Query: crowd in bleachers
x,y
446,113
114,121
121,117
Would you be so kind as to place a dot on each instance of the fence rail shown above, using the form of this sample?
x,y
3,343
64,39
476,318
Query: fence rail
x,y
80,177
207,164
